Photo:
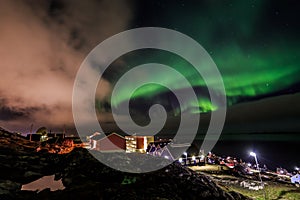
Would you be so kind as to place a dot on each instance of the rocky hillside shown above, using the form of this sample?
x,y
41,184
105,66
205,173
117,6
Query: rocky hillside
x,y
85,177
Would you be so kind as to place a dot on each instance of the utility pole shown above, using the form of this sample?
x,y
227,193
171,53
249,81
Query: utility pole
x,y
259,175
30,135
64,132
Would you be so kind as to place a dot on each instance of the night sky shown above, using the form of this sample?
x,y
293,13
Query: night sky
x,y
255,45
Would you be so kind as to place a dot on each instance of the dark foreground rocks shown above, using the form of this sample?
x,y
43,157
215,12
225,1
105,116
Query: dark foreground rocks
x,y
84,177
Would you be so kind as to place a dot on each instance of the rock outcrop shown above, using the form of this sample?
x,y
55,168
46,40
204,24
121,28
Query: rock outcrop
x,y
84,177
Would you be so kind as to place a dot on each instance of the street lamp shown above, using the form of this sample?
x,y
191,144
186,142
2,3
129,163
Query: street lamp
x,y
255,157
180,160
253,154
257,166
194,159
185,153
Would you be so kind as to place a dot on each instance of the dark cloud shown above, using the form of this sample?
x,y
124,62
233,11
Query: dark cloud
x,y
273,114
7,113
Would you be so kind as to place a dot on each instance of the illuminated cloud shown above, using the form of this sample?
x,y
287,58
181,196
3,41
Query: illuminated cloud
x,y
42,46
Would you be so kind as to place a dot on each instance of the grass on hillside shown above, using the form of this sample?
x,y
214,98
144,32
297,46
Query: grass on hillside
x,y
272,191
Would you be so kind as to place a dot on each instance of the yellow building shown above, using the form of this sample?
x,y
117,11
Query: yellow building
x,y
138,143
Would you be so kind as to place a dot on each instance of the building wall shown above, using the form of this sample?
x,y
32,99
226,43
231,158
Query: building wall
x,y
140,142
118,143
137,143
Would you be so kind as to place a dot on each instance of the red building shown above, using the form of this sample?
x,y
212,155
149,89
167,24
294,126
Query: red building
x,y
110,143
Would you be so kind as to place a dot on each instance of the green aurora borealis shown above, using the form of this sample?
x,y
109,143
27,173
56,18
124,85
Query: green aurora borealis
x,y
255,48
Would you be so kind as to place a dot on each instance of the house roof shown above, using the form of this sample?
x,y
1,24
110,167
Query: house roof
x,y
97,137
102,136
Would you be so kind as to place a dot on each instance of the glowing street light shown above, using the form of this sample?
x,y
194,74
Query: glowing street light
x,y
253,154
194,160
185,153
255,157
297,168
257,166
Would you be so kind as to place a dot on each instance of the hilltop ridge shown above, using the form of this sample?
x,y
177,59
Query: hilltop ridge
x,y
85,177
